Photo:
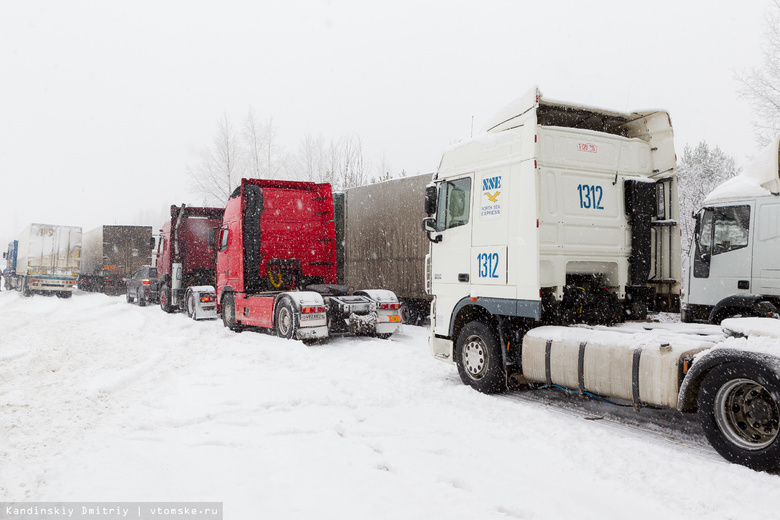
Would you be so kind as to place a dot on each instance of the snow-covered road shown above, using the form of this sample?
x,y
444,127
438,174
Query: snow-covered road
x,y
105,401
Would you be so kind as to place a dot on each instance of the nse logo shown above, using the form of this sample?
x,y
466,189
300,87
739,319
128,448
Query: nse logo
x,y
491,206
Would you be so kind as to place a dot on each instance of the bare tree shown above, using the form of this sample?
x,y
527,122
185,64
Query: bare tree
x,y
700,170
761,86
382,169
254,142
263,155
353,166
220,169
310,162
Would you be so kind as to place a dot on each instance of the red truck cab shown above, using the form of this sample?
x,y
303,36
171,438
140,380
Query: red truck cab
x,y
276,266
184,259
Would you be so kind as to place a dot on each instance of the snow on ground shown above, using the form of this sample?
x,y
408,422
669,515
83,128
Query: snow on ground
x,y
105,401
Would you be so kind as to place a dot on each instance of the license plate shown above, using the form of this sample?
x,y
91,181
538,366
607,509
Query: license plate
x,y
310,317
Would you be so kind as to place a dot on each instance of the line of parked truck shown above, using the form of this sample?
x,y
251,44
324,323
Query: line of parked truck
x,y
556,220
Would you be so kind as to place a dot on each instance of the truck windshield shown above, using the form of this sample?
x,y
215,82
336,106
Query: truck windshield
x,y
724,229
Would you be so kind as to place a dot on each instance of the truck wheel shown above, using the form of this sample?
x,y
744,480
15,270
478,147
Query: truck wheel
x,y
165,298
740,413
229,312
405,312
140,298
190,302
64,294
478,356
130,298
285,320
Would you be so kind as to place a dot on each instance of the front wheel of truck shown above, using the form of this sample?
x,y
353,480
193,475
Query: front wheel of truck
x,y
479,360
739,409
229,312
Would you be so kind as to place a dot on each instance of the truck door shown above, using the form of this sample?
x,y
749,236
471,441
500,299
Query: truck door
x,y
451,255
722,262
229,256
766,250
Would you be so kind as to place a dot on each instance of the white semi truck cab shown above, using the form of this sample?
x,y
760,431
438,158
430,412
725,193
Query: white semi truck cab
x,y
733,260
552,226
556,214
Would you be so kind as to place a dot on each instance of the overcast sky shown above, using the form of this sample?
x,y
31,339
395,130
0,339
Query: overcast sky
x,y
103,105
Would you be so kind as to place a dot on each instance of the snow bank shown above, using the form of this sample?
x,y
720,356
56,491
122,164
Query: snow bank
x,y
105,401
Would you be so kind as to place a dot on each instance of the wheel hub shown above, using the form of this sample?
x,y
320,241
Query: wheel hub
x,y
474,357
747,414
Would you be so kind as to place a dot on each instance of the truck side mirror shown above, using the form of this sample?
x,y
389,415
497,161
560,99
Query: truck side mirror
x,y
430,199
5,256
429,226
213,239
151,243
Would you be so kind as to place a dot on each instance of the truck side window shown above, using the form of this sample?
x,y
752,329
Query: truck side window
x,y
225,234
732,225
454,204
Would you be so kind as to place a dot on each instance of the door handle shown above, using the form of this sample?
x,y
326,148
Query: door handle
x,y
463,277
743,284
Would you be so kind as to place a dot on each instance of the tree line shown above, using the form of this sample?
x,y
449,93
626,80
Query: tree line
x,y
252,149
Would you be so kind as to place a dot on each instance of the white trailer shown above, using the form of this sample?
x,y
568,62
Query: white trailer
x,y
733,260
560,219
47,260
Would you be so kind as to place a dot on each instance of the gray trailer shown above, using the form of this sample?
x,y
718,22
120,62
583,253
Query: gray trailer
x,y
379,243
110,254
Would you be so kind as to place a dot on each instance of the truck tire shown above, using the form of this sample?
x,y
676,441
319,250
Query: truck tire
x,y
739,409
285,319
140,298
64,294
165,298
130,298
26,292
479,360
229,312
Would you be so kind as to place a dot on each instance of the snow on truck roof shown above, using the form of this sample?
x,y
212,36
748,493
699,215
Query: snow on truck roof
x,y
760,178
552,112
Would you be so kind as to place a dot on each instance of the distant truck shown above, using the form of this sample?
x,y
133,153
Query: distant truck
x,y
44,259
562,214
185,264
111,254
734,267
377,244
276,266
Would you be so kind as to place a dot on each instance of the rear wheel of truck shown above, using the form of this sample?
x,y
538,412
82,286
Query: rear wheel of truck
x,y
739,409
64,294
140,298
478,357
285,319
229,312
130,298
165,298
